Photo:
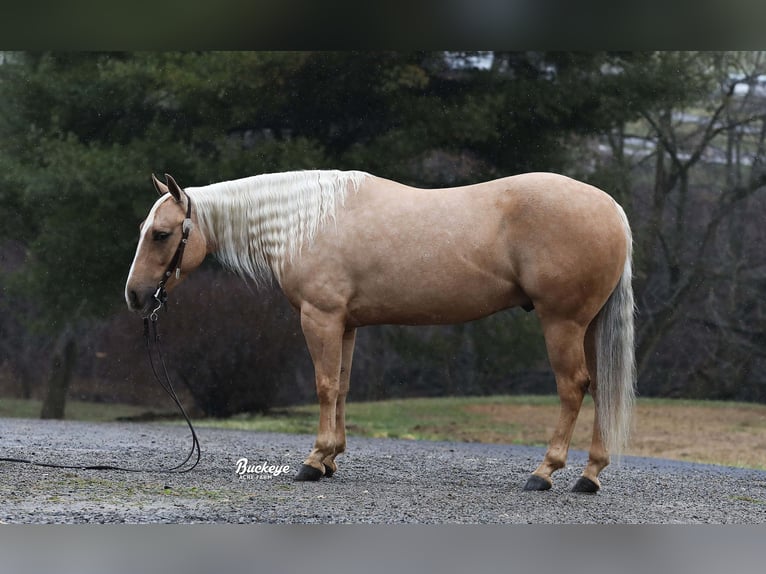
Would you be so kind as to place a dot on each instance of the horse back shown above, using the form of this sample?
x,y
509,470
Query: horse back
x,y
398,254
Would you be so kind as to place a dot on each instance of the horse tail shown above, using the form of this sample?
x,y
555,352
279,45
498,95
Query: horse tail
x,y
615,357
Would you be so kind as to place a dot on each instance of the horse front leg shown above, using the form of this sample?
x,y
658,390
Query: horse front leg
x,y
349,338
324,334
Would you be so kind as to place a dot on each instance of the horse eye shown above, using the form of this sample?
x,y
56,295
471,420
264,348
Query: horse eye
x,y
160,235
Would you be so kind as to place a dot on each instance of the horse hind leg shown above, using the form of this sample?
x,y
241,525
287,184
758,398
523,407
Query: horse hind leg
x,y
598,457
564,340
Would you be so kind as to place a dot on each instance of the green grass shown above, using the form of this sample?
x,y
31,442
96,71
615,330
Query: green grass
x,y
75,410
446,418
129,492
716,432
743,498
421,418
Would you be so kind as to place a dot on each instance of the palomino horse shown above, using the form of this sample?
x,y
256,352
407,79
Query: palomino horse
x,y
350,249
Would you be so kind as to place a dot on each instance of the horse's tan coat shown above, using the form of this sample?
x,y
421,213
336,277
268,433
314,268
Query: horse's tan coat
x,y
399,255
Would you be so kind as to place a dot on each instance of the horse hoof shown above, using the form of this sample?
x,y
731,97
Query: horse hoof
x,y
308,474
328,471
585,484
536,482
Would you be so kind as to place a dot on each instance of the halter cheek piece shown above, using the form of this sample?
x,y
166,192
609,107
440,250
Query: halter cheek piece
x,y
160,295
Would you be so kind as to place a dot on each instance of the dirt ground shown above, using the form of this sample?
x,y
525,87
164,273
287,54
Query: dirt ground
x,y
729,435
381,481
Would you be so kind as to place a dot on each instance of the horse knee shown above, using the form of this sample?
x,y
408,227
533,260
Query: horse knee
x,y
327,392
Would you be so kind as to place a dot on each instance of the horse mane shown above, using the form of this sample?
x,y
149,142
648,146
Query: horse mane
x,y
256,225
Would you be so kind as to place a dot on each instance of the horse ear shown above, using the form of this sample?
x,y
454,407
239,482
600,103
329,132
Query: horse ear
x,y
161,188
174,188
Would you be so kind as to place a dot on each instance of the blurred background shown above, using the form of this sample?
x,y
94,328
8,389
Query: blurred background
x,y
678,138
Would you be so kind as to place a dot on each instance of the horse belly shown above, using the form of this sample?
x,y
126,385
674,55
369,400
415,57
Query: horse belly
x,y
400,306
430,288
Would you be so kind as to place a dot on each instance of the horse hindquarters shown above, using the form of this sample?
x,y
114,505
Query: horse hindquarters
x,y
602,357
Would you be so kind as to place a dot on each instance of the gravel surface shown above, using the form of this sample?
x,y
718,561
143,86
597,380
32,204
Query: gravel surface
x,y
378,481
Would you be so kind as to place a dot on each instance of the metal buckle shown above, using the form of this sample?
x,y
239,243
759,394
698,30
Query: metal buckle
x,y
161,296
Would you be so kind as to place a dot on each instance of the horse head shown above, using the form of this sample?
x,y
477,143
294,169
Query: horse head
x,y
169,248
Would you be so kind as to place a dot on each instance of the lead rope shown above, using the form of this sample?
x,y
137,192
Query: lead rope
x,y
150,328
150,333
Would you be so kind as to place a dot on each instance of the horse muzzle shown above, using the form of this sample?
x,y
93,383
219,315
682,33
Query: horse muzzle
x,y
136,302
145,301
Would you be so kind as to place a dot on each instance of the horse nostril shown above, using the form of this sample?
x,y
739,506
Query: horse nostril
x,y
133,300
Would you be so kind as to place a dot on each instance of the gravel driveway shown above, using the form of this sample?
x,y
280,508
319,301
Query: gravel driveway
x,y
379,481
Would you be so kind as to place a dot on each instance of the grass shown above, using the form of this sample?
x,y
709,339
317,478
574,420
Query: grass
x,y
748,499
134,493
717,432
75,410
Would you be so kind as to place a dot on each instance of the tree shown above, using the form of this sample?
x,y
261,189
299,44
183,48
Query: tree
x,y
53,184
701,154
81,132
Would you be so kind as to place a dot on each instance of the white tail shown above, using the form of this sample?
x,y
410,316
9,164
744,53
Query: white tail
x,y
615,358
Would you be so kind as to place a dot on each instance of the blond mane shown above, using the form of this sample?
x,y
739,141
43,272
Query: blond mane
x,y
258,224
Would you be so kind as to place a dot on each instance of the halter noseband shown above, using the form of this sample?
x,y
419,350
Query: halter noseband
x,y
160,295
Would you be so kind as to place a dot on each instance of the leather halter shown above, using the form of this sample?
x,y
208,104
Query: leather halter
x,y
160,295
